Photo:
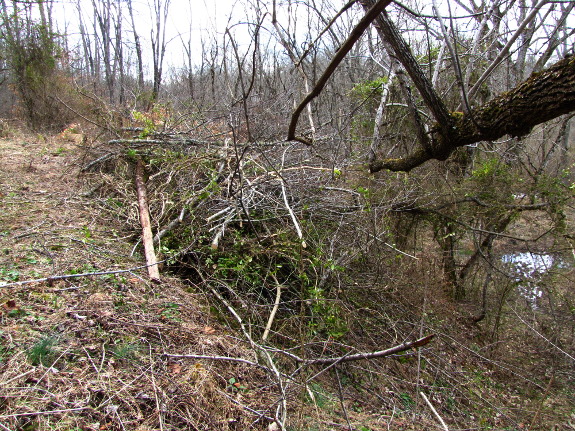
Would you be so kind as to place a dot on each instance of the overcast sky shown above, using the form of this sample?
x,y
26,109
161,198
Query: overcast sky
x,y
202,19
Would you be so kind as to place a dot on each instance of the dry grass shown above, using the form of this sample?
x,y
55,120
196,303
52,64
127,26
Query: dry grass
x,y
89,353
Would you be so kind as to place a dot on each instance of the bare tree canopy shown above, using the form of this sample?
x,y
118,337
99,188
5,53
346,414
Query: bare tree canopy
x,y
542,97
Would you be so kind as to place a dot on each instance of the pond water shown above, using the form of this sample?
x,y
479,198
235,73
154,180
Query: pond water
x,y
529,269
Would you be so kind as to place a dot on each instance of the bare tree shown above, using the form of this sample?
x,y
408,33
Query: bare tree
x,y
159,42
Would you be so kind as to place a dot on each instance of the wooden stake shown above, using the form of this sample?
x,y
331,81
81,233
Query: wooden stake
x,y
147,237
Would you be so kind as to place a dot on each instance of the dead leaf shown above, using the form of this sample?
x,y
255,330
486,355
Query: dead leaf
x,y
174,368
8,306
209,330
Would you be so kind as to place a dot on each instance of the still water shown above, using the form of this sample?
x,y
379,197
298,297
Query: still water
x,y
529,268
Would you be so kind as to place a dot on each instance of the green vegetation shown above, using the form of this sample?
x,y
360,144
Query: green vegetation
x,y
44,351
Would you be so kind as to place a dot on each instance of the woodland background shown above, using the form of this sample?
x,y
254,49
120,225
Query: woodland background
x,y
294,238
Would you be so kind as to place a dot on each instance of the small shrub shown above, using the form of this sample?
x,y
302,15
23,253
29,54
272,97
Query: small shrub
x,y
43,352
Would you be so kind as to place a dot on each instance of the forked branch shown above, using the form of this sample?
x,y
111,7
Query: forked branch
x,y
542,97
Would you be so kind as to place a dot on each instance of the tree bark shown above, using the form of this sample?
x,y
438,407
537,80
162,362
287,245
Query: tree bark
x,y
542,97
147,238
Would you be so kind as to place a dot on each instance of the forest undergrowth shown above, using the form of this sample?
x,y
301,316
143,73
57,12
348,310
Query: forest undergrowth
x,y
271,263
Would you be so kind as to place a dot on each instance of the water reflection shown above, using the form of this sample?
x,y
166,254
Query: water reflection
x,y
529,269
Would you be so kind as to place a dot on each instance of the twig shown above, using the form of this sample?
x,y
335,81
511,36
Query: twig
x,y
275,309
216,358
340,391
171,225
47,412
254,412
95,162
326,28
286,203
543,336
545,394
292,215
101,126
91,361
158,406
439,418
17,377
281,413
67,276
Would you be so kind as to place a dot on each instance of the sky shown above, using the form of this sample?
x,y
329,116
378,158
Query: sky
x,y
200,19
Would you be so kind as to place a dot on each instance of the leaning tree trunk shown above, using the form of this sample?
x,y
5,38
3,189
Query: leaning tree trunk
x,y
542,97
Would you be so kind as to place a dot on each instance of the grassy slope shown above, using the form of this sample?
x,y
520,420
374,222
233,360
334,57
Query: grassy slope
x,y
87,353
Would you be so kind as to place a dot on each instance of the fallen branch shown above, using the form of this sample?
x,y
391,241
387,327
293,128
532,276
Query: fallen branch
x,y
216,358
371,355
98,160
54,278
147,238
439,418
274,309
47,412
171,141
345,358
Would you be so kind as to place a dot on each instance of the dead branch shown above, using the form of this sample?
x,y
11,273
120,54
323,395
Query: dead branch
x,y
54,278
354,36
163,141
371,355
322,361
217,358
147,237
439,418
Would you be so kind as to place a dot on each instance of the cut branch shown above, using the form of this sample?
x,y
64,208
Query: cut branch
x,y
147,237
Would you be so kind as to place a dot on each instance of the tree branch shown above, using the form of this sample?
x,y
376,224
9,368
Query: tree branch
x,y
390,35
371,355
542,97
356,33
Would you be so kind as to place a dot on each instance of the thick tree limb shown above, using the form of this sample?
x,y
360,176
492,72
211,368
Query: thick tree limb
x,y
391,37
356,33
542,97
